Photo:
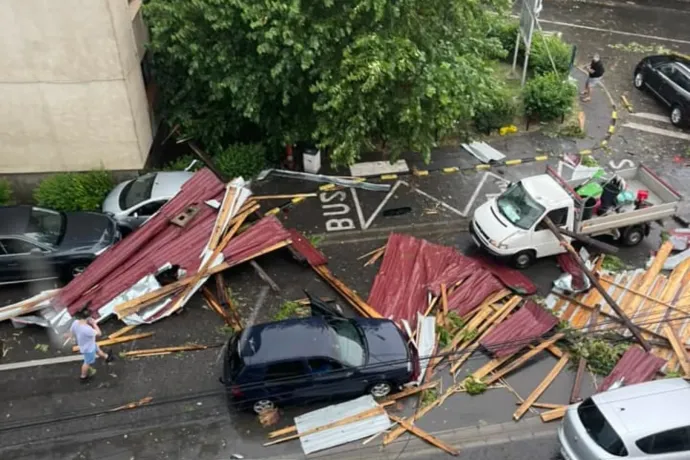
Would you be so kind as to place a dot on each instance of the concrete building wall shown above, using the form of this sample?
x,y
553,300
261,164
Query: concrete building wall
x,y
72,96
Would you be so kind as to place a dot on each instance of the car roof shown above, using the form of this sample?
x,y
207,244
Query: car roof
x,y
546,190
297,338
168,183
646,408
14,219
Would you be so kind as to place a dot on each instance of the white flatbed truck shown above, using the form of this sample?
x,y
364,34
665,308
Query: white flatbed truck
x,y
510,226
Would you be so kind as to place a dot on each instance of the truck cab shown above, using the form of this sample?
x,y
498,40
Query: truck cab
x,y
512,226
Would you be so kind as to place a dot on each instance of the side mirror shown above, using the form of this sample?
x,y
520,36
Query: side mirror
x,y
36,251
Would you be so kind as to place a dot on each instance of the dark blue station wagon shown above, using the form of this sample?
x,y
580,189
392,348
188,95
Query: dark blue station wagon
x,y
308,359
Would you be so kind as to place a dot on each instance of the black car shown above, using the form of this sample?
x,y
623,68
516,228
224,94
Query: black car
x,y
38,244
668,78
320,357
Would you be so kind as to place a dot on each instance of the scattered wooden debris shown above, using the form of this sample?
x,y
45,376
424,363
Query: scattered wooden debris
x,y
371,253
523,359
539,390
269,417
425,436
283,197
352,297
121,332
133,405
124,338
554,414
264,276
678,348
163,350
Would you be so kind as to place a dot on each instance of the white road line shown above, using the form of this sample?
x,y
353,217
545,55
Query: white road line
x,y
435,200
619,32
651,116
40,362
475,194
358,207
654,130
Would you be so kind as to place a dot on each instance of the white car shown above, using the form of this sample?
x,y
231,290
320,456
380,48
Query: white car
x,y
131,203
642,422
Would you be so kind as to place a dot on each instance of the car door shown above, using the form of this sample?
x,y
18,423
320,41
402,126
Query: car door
x,y
543,240
666,445
25,261
141,213
331,379
287,381
664,86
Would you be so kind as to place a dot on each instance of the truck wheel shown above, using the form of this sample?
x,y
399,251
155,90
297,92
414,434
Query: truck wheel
x,y
523,259
632,236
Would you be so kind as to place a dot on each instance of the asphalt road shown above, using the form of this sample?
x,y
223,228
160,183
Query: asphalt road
x,y
545,448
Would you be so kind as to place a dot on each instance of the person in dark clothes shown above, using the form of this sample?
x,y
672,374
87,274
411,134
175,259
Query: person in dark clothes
x,y
595,70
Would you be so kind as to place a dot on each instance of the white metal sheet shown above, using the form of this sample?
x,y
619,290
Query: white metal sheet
x,y
483,152
341,434
376,168
426,331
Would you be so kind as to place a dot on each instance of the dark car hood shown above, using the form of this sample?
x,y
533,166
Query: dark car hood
x,y
385,343
85,231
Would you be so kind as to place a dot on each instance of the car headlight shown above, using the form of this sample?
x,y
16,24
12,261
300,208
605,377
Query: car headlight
x,y
498,245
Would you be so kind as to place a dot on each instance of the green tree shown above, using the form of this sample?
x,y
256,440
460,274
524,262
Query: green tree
x,y
351,74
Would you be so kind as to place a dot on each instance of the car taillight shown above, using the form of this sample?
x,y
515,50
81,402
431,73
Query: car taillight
x,y
236,392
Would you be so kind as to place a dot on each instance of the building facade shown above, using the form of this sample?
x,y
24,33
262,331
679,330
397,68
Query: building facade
x,y
73,95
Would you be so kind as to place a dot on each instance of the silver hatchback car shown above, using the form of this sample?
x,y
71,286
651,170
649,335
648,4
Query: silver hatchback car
x,y
645,421
131,203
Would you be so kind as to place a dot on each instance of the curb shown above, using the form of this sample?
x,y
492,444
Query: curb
x,y
462,438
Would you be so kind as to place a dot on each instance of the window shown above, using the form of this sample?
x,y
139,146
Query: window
x,y
676,440
321,366
558,216
349,342
667,69
45,226
599,429
15,246
285,370
681,80
151,208
516,205
137,191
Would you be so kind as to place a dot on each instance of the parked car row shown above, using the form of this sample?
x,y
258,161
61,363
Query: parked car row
x,y
41,244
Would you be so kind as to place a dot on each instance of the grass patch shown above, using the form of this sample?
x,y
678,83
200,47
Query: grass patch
x,y
291,309
613,263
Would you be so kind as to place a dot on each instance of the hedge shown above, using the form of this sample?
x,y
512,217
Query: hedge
x,y
245,160
500,111
548,97
74,191
6,197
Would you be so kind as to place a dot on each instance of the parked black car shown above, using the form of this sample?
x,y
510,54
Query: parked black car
x,y
38,243
668,78
320,357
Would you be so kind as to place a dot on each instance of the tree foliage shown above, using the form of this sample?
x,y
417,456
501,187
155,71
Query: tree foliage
x,y
352,75
548,97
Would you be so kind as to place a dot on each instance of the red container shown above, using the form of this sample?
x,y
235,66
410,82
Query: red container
x,y
642,195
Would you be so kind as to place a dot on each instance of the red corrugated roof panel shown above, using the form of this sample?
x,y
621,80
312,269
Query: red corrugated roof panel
x,y
148,248
262,235
513,279
305,248
460,269
523,327
635,366
411,266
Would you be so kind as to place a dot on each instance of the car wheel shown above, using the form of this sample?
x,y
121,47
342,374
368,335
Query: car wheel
x,y
263,405
638,81
380,389
677,116
523,259
632,236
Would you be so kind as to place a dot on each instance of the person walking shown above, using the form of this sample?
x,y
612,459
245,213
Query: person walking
x,y
595,70
84,331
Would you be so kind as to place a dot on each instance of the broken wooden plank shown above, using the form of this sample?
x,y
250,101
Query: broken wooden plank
x,y
165,350
539,390
351,419
489,367
595,282
375,257
371,253
410,391
284,196
548,406
678,349
352,297
215,306
524,358
133,405
554,414
221,290
425,436
122,339
577,384
264,276
444,304
122,331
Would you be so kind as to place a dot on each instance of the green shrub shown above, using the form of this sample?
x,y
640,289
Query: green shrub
x,y
506,33
74,191
245,160
181,163
500,111
5,193
539,61
548,97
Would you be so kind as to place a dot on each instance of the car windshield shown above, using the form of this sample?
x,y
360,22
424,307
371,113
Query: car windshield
x,y
137,191
349,342
46,226
599,428
516,205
